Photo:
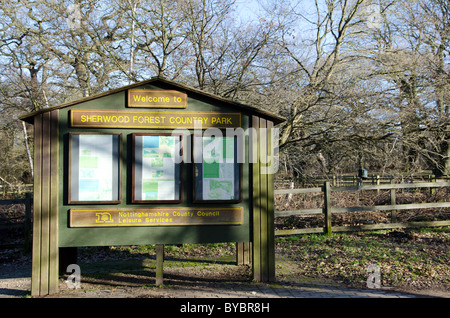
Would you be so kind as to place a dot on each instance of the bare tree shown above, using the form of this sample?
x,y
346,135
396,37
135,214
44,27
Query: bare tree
x,y
413,59
158,36
332,26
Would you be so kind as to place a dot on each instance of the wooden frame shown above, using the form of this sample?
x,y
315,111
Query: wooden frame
x,y
198,169
178,182
116,162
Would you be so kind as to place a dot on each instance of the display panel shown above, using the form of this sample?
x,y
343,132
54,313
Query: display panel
x,y
217,178
94,168
157,168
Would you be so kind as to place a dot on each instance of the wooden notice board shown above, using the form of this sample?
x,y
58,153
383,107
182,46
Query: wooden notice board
x,y
120,168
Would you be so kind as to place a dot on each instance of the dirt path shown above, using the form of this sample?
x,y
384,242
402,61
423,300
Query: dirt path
x,y
135,278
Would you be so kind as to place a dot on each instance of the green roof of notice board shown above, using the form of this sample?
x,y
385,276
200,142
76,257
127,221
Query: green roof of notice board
x,y
169,85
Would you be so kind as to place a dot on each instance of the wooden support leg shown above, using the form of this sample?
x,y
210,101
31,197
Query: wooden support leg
x,y
159,264
243,253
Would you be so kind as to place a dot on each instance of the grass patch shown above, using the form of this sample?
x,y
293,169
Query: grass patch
x,y
418,258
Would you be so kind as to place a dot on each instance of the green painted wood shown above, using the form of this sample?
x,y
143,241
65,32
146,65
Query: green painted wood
x,y
45,205
263,195
51,208
54,203
71,237
256,211
270,205
263,205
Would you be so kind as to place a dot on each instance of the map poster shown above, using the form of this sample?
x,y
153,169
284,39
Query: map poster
x,y
94,167
218,177
157,174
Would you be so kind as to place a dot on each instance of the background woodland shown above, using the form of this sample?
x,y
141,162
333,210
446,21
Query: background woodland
x,y
362,83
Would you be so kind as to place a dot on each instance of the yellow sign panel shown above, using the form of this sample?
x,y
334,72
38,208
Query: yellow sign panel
x,y
156,98
155,217
153,119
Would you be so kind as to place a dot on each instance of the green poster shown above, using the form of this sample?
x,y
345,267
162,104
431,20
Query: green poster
x,y
218,168
158,167
95,175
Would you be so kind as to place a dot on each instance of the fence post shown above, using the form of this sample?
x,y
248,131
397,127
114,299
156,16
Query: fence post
x,y
27,225
393,198
432,179
378,183
327,207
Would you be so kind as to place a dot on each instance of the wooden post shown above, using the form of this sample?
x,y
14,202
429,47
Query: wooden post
x,y
27,228
270,203
432,179
243,253
378,183
36,251
159,264
263,238
327,207
45,254
263,192
256,240
393,212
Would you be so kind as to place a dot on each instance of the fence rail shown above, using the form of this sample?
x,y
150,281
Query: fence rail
x,y
348,180
327,209
16,190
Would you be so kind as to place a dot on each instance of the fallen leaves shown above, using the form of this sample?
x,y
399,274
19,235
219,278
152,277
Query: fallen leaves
x,y
406,258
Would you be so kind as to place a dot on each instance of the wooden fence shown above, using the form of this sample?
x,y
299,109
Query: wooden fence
x,y
328,209
16,190
374,179
25,224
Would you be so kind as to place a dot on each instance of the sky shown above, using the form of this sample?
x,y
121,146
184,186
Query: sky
x,y
248,9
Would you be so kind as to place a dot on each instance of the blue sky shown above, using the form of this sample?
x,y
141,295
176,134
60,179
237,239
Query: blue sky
x,y
248,8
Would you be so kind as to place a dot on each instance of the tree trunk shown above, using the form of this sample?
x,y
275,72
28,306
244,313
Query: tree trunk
x,y
27,147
